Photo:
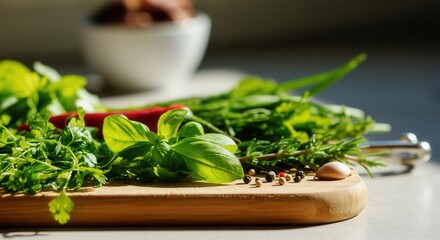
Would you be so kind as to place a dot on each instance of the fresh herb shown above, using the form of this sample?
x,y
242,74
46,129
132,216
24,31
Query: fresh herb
x,y
143,155
61,207
262,109
24,93
276,129
46,158
257,125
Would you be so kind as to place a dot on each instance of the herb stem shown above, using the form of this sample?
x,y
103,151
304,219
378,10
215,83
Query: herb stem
x,y
272,156
50,166
352,158
4,128
211,127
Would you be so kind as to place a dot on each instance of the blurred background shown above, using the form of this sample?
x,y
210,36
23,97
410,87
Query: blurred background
x,y
282,40
50,28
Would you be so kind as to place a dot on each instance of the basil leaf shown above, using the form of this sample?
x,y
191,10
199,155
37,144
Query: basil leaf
x,y
161,173
136,150
209,161
119,132
191,129
220,140
169,123
160,152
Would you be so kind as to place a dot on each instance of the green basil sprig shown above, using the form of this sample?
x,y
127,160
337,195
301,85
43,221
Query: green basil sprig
x,y
169,154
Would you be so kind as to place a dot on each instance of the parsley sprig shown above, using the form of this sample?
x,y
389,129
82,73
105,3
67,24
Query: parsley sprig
x,y
46,158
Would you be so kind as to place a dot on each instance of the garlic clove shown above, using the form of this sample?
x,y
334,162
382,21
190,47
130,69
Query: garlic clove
x,y
333,171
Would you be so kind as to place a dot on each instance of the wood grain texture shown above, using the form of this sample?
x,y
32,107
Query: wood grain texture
x,y
308,202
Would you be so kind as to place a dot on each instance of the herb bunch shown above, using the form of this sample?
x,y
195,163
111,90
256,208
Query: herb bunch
x,y
46,158
276,129
259,124
62,160
24,92
176,151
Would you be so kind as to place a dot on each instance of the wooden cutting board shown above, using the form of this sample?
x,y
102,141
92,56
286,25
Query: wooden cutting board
x,y
195,203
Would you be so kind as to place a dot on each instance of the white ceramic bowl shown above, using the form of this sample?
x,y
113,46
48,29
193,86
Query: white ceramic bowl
x,y
164,55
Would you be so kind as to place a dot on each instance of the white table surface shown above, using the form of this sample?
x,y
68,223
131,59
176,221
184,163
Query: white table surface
x,y
401,206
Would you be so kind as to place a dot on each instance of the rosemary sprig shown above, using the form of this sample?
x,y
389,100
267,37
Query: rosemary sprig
x,y
290,153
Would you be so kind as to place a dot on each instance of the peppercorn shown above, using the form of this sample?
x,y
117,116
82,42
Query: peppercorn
x,y
297,179
282,174
251,172
282,181
258,182
288,177
300,174
247,179
270,176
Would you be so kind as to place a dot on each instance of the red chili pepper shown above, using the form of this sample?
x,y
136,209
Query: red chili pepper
x,y
148,116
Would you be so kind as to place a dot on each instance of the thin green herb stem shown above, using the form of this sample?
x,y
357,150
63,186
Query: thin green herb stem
x,y
69,176
323,80
211,127
52,167
273,156
7,131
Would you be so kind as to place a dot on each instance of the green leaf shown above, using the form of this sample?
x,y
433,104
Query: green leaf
x,y
191,129
220,140
255,101
169,123
119,132
209,161
61,207
323,80
138,149
18,92
253,86
67,90
160,152
88,101
17,80
161,173
96,173
89,159
47,71
79,121
24,92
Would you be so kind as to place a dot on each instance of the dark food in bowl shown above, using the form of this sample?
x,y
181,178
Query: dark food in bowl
x,y
142,13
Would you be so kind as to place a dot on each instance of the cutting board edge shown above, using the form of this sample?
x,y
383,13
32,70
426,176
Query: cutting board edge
x,y
326,204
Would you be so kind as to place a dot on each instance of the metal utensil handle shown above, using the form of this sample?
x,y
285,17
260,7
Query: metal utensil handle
x,y
407,151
